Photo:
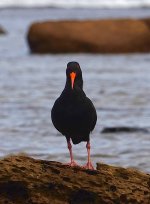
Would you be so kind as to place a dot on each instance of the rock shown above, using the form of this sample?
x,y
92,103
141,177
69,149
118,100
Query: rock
x,y
2,31
92,36
123,129
26,180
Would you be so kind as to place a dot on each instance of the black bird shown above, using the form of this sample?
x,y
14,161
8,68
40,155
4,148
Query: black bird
x,y
73,113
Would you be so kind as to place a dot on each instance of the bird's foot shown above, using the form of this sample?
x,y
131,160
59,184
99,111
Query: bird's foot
x,y
72,163
89,166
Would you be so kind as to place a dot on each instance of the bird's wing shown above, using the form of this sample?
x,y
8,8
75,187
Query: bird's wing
x,y
93,113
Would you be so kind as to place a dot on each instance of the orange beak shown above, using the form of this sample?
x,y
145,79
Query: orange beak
x,y
72,76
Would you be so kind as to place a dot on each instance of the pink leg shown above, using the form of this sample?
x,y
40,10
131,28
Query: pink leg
x,y
72,163
89,163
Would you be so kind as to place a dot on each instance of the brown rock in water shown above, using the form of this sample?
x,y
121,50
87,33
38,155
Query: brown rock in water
x,y
92,36
26,180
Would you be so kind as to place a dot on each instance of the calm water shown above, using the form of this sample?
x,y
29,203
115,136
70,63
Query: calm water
x,y
119,86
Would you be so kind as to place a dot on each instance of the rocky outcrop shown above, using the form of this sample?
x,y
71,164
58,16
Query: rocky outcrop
x,y
2,31
92,36
30,181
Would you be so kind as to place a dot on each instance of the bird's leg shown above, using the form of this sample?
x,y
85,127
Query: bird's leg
x,y
72,163
89,163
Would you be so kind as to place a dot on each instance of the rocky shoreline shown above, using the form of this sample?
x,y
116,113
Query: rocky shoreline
x,y
90,36
27,180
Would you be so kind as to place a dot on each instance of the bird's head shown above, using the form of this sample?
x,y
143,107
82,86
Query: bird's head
x,y
74,75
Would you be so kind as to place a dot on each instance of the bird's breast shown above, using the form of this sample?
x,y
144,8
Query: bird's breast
x,y
73,113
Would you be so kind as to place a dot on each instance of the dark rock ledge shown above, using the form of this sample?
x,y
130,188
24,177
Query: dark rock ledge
x,y
124,129
26,180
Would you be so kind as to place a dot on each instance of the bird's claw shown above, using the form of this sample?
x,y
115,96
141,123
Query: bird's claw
x,y
89,166
72,163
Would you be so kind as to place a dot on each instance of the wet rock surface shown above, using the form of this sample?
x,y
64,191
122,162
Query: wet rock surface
x,y
91,36
26,180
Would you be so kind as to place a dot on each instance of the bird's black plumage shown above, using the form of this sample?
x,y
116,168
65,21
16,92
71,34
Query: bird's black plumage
x,y
73,113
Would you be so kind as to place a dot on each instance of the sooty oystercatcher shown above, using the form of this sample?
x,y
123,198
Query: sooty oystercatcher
x,y
73,113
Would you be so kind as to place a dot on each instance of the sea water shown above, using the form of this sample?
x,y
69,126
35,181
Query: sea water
x,y
77,3
118,85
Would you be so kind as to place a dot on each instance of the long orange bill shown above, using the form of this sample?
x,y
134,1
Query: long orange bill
x,y
72,76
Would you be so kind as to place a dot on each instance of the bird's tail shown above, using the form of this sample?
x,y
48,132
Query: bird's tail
x,y
78,139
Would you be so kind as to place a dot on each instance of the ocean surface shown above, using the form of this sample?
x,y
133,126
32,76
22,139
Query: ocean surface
x,y
77,3
118,85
